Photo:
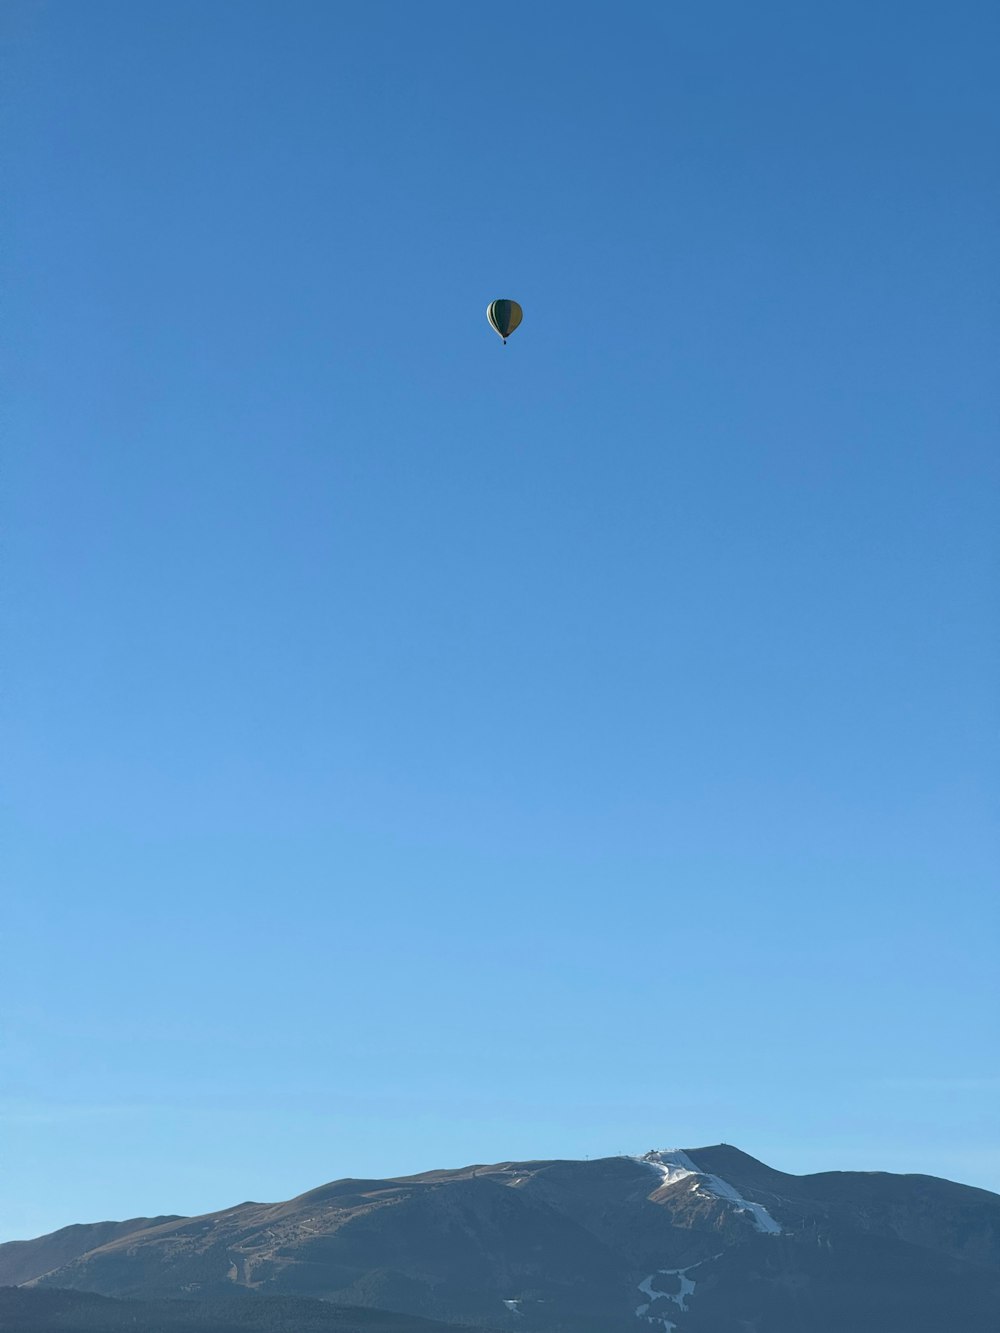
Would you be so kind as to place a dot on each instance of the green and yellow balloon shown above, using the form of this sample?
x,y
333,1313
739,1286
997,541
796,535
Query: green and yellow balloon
x,y
504,317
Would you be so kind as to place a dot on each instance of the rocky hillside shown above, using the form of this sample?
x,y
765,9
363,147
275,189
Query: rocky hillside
x,y
704,1241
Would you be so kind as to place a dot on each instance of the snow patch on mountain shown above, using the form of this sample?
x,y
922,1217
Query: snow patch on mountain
x,y
672,1165
679,1298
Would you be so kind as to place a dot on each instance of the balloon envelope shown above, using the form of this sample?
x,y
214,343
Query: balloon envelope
x,y
504,317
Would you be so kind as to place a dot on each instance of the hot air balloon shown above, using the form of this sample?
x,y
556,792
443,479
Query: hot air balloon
x,y
504,316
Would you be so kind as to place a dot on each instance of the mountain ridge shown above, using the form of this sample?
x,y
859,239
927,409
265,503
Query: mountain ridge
x,y
683,1240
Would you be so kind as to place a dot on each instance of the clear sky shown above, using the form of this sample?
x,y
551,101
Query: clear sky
x,y
421,751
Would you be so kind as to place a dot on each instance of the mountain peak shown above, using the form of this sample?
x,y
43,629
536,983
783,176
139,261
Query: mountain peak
x,y
674,1165
685,1239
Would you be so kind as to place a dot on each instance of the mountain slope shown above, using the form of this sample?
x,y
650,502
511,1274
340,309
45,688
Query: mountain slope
x,y
707,1239
58,1311
22,1260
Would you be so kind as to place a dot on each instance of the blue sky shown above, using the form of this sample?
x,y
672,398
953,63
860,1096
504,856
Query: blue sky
x,y
423,751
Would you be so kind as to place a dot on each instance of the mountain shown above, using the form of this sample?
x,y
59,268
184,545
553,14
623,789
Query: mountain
x,y
57,1311
21,1260
707,1240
